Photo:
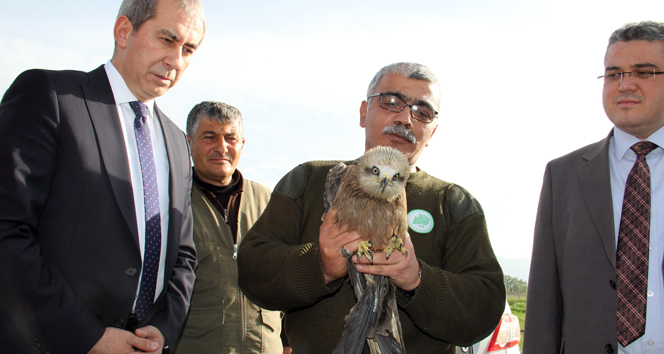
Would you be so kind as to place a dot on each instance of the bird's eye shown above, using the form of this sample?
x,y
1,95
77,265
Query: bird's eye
x,y
395,177
375,171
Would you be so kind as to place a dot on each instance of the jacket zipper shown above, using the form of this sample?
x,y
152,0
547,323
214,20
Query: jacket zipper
x,y
241,303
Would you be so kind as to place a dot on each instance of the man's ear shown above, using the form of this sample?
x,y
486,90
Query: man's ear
x,y
363,113
434,130
122,30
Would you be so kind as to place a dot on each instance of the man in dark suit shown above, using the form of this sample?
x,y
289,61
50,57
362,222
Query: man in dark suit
x,y
96,249
596,274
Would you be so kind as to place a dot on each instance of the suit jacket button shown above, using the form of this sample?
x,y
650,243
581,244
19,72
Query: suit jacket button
x,y
36,346
612,283
120,323
131,271
609,348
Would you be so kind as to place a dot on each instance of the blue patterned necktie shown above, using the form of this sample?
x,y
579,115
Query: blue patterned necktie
x,y
152,212
633,249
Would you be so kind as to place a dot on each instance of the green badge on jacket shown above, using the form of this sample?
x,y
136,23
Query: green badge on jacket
x,y
420,221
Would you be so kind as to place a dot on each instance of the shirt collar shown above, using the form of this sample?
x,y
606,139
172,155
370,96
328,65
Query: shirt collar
x,y
236,185
623,141
121,92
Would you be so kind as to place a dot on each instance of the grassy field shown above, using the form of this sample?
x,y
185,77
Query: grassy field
x,y
518,306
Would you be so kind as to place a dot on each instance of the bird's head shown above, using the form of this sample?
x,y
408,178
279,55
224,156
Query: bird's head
x,y
383,172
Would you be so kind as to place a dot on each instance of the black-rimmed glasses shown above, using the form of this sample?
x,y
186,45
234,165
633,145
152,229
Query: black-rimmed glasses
x,y
394,103
639,74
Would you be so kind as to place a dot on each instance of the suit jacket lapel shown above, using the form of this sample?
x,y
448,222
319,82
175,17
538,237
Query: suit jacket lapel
x,y
595,179
176,155
104,115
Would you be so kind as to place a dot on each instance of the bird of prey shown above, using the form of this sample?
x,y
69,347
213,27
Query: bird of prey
x,y
370,197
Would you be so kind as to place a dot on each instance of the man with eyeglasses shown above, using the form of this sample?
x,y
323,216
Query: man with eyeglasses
x,y
596,272
450,286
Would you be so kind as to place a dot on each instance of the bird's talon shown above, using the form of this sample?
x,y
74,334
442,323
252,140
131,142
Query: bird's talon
x,y
396,243
364,248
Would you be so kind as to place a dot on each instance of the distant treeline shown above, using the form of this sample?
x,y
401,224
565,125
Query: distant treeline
x,y
515,285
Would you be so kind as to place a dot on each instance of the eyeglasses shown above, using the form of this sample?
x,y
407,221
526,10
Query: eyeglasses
x,y
642,75
394,103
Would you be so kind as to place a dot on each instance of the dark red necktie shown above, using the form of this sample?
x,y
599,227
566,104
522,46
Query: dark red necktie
x,y
633,249
152,213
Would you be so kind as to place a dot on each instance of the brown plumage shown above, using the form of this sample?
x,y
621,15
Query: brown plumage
x,y
370,197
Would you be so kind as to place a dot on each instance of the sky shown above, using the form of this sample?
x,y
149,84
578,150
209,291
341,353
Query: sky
x,y
518,80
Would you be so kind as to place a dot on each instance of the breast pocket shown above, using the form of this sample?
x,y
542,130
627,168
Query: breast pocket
x,y
207,289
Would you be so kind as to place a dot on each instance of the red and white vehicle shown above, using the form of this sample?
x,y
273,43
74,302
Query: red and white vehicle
x,y
504,339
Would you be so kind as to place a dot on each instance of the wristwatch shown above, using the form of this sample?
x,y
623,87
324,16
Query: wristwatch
x,y
411,293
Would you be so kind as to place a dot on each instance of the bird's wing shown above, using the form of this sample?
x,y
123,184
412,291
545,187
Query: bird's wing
x,y
387,331
374,319
357,279
332,184
388,345
361,317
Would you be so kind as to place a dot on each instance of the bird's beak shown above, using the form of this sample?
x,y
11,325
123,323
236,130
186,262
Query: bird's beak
x,y
383,184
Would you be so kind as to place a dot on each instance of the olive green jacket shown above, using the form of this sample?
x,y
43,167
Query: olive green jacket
x,y
221,319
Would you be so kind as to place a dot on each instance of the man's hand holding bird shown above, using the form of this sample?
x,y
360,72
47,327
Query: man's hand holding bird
x,y
402,269
332,238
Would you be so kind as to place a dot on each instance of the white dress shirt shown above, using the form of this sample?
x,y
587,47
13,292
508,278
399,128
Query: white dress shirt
x,y
621,160
123,96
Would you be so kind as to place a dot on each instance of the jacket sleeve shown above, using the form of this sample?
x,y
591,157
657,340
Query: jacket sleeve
x,y
275,271
461,300
37,305
542,330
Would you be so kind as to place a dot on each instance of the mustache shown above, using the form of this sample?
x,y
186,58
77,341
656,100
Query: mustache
x,y
628,96
215,155
400,131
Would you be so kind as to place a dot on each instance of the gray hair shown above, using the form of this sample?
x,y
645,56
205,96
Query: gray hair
x,y
650,31
139,11
216,111
408,70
